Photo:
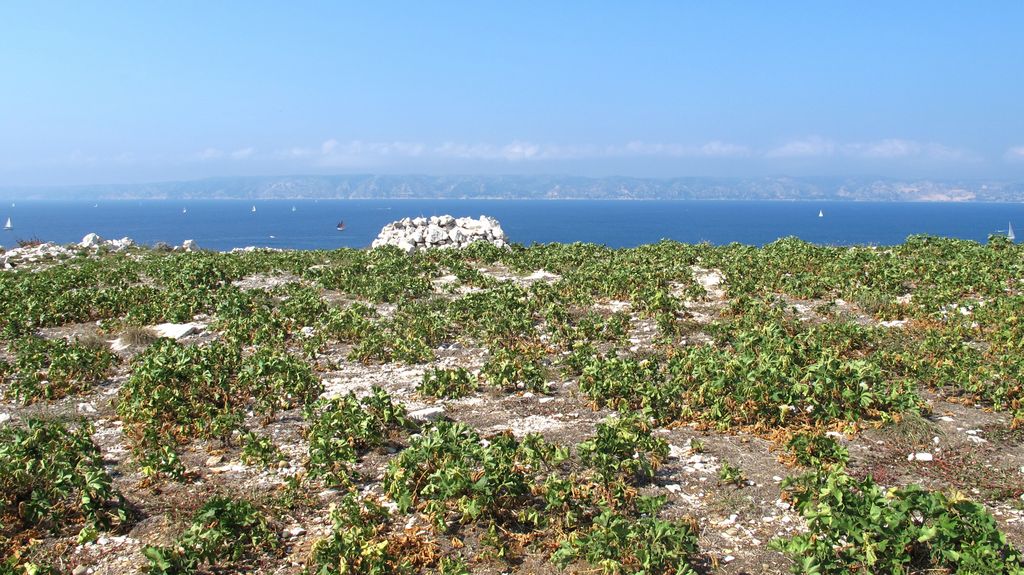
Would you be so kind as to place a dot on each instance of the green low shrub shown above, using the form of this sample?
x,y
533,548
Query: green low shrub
x,y
223,531
854,526
447,383
52,477
618,543
342,428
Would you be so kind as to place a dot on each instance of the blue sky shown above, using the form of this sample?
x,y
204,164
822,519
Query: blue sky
x,y
111,92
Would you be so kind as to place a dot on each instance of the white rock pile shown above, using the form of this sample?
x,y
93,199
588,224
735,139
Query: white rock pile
x,y
49,251
413,234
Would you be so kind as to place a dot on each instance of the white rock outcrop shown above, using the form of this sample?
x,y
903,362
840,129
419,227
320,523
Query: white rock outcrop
x,y
48,251
412,234
91,241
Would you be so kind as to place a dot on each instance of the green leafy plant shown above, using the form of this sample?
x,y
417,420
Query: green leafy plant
x,y
344,427
52,477
855,526
731,475
223,530
260,450
447,383
51,369
358,544
623,449
817,450
449,473
618,543
277,380
514,369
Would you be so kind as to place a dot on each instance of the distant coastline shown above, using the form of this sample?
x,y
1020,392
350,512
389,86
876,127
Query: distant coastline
x,y
468,187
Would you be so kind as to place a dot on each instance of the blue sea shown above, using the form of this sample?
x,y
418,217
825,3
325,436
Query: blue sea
x,y
226,224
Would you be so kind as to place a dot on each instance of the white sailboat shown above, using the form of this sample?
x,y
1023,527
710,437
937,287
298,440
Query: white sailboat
x,y
293,208
1009,232
184,210
254,209
8,226
821,214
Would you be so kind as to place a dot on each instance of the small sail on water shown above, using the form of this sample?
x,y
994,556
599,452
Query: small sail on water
x,y
1009,232
821,214
254,209
8,226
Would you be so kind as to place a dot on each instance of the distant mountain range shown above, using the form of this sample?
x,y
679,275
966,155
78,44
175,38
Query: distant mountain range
x,y
537,187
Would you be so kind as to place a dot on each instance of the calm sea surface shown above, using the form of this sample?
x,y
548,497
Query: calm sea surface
x,y
225,224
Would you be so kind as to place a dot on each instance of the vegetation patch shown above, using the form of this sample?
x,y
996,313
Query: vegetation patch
x,y
856,526
223,532
52,479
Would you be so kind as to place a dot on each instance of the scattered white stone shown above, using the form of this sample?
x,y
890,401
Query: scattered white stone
x,y
178,330
296,531
530,424
5,417
710,280
86,408
542,276
189,245
920,456
118,245
230,468
893,323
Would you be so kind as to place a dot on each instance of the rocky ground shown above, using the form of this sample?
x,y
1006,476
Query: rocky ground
x,y
958,446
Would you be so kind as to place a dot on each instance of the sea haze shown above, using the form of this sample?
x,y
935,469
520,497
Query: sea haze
x,y
227,224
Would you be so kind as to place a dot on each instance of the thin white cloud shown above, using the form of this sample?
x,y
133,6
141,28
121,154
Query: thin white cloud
x,y
526,151
243,154
353,153
886,149
80,158
812,147
1015,154
211,154
717,149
